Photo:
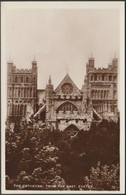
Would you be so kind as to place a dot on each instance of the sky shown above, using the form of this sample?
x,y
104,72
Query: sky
x,y
61,40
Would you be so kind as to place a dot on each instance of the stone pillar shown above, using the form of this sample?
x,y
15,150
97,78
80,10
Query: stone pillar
x,y
111,91
17,92
109,107
28,92
32,91
22,92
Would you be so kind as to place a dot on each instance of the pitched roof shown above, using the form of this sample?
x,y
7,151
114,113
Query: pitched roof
x,y
67,79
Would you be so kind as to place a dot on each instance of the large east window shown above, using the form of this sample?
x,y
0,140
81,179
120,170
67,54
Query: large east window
x,y
67,106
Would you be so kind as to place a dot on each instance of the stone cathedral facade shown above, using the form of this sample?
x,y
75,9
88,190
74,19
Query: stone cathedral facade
x,y
66,106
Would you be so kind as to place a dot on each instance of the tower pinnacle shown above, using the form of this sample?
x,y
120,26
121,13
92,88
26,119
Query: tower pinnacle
x,y
10,59
115,55
50,79
34,58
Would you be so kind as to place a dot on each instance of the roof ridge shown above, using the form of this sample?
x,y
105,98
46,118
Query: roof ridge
x,y
62,81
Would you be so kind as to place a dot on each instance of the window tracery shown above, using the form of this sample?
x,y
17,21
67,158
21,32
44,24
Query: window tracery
x,y
67,106
67,88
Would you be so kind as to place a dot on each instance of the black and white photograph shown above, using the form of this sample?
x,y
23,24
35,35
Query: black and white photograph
x,y
62,97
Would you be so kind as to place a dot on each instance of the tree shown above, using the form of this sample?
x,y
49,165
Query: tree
x,y
47,156
103,178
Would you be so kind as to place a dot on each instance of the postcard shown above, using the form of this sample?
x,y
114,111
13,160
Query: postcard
x,y
62,98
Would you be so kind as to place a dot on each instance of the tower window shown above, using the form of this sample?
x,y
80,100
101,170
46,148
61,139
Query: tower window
x,y
21,79
27,79
34,79
110,78
19,93
95,77
115,78
25,92
115,94
91,77
16,79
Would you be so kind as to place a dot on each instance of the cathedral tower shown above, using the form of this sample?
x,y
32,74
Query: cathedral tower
x,y
101,89
21,90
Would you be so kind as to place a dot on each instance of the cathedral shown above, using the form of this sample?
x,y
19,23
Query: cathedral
x,y
65,106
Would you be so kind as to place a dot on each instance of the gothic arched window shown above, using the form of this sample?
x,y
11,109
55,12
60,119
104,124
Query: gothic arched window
x,y
107,93
95,77
110,78
115,78
92,94
30,92
91,77
19,92
16,79
34,93
27,79
34,79
67,106
24,92
115,93
102,94
22,79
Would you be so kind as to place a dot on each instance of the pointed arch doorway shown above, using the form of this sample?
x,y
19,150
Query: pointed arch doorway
x,y
71,130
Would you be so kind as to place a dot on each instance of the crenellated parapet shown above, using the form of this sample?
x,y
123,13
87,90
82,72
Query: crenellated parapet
x,y
112,67
68,97
20,71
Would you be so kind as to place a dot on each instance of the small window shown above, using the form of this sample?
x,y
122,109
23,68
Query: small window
x,y
110,78
91,77
34,80
27,79
115,94
95,77
115,78
16,79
